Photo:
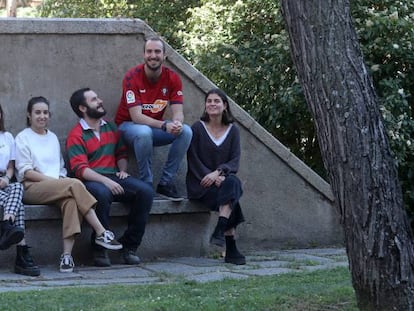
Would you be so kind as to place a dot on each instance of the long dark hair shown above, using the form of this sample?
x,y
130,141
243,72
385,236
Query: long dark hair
x,y
2,129
227,117
33,101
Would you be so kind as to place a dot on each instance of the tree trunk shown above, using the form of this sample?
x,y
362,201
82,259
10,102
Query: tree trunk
x,y
355,151
11,8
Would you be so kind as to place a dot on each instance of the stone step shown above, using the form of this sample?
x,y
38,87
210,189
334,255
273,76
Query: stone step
x,y
175,229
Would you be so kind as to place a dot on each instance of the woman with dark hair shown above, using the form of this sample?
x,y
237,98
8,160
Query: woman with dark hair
x,y
41,169
213,160
11,195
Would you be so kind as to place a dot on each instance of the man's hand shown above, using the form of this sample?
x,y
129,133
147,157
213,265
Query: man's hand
x,y
115,188
174,127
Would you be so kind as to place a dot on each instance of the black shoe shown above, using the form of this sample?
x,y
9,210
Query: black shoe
x,y
232,253
170,192
9,234
129,257
101,258
235,259
217,238
24,262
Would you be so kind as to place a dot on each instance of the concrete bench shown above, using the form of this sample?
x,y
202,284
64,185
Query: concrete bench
x,y
174,229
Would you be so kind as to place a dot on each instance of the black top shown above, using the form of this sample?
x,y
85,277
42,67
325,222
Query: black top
x,y
204,157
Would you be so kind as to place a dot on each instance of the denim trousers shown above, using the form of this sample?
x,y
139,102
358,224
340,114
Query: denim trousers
x,y
137,195
142,138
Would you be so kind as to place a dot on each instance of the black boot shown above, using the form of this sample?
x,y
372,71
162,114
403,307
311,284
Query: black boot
x,y
24,262
217,238
9,234
232,253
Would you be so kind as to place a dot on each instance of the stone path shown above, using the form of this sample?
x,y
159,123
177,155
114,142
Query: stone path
x,y
174,269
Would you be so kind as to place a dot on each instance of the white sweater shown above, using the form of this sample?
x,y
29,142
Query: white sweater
x,y
7,150
40,153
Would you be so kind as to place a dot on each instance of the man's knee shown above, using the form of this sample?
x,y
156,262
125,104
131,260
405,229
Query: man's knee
x,y
101,193
186,133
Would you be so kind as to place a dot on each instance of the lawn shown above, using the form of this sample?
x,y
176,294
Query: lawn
x,y
320,290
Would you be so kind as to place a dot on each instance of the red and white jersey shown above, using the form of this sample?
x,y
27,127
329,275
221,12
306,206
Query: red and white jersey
x,y
154,98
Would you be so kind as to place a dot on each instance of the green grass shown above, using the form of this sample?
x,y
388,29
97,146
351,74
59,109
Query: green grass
x,y
321,290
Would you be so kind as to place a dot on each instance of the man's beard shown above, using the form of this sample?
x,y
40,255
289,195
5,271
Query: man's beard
x,y
153,68
94,113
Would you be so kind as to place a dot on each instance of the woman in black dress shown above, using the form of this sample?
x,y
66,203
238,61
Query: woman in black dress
x,y
213,161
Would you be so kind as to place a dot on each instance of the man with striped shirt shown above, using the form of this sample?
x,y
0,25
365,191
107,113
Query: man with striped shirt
x,y
98,157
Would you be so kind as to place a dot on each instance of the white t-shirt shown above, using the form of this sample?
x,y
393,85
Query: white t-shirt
x,y
40,153
7,150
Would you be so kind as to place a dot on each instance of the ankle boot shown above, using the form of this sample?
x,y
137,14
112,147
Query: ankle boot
x,y
9,234
217,238
232,253
24,262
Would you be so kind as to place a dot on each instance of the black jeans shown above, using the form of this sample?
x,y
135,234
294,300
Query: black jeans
x,y
229,192
138,196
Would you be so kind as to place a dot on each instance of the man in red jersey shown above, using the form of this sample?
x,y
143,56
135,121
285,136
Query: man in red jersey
x,y
147,90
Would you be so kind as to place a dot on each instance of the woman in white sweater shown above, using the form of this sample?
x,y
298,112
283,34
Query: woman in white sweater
x,y
40,167
11,195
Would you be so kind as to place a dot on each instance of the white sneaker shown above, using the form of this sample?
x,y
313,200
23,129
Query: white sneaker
x,y
66,263
107,240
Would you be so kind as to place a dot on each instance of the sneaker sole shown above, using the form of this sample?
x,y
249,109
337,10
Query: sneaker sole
x,y
66,270
108,246
171,198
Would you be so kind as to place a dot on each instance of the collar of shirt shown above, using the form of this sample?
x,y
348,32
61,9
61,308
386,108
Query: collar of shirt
x,y
85,127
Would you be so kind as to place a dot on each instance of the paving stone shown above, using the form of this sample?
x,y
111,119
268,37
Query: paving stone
x,y
196,261
173,269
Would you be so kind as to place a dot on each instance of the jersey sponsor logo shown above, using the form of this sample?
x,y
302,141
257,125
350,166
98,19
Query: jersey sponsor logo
x,y
179,93
157,106
130,97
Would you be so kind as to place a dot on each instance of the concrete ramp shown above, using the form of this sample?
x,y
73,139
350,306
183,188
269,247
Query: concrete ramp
x,y
286,204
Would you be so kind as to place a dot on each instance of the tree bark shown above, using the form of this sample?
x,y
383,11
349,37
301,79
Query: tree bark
x,y
355,151
11,8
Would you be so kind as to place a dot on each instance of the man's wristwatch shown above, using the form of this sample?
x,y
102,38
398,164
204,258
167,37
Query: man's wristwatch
x,y
164,126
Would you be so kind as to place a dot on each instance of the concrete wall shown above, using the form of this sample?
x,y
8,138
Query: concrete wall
x,y
285,203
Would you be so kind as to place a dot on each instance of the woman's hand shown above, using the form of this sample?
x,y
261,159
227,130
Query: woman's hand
x,y
210,179
219,180
122,175
4,182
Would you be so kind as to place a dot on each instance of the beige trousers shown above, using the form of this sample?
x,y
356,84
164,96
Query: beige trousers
x,y
69,194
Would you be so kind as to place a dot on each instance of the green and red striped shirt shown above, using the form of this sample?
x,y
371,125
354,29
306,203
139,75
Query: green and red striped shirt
x,y
86,150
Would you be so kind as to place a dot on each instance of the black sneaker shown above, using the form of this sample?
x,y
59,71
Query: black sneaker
x,y
170,192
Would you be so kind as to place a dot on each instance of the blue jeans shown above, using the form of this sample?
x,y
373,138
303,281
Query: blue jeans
x,y
138,196
142,138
